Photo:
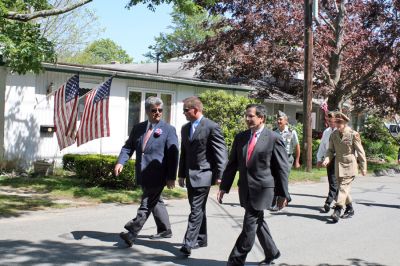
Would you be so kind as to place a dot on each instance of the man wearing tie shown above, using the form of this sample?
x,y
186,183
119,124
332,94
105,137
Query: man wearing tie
x,y
157,153
261,159
202,161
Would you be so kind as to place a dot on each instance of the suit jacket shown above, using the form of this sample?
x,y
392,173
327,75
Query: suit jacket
x,y
267,168
345,148
159,160
203,158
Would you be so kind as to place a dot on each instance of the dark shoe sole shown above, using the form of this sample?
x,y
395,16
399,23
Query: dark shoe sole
x,y
124,236
185,251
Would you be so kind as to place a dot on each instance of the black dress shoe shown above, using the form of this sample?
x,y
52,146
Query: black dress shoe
x,y
348,213
186,250
164,234
273,208
270,261
336,214
128,237
326,207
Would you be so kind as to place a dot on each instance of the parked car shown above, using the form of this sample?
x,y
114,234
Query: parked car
x,y
394,128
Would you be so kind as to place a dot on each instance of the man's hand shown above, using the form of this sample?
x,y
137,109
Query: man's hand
x,y
118,169
281,202
325,162
181,182
296,164
170,184
220,196
363,172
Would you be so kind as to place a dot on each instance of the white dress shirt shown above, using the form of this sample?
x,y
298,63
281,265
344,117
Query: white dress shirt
x,y
324,145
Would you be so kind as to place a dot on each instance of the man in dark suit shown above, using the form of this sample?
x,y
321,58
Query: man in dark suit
x,y
202,161
157,153
261,159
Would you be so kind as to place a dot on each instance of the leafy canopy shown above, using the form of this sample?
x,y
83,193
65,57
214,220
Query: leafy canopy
x,y
103,51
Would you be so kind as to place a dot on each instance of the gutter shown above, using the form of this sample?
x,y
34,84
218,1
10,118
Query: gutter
x,y
105,72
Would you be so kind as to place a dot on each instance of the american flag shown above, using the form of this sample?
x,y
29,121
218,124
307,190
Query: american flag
x,y
66,112
94,122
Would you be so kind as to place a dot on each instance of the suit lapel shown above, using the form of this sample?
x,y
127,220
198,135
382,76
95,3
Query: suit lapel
x,y
246,144
151,139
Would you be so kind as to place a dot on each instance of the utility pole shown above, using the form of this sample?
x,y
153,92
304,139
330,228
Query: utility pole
x,y
307,92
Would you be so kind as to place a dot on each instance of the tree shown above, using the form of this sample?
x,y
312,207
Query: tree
x,y
103,51
187,32
232,106
23,48
70,32
356,48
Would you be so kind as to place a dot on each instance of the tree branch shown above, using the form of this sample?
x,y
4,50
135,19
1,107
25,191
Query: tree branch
x,y
43,13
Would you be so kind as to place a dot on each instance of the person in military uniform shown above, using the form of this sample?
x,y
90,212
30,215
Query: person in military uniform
x,y
292,146
345,143
290,138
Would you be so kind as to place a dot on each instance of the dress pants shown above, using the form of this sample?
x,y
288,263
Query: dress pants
x,y
151,202
196,231
333,186
253,224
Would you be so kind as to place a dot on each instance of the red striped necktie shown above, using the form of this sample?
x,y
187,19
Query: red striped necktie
x,y
251,146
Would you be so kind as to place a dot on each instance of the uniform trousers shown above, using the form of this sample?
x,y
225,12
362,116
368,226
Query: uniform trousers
x,y
344,197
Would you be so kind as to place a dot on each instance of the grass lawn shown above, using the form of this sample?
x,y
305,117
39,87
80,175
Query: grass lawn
x,y
19,194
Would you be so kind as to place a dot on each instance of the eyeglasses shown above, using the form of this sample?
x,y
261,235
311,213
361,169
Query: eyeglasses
x,y
155,110
185,110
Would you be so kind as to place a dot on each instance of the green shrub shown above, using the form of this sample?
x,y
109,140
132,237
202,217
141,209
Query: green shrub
x,y
68,161
377,141
97,170
227,110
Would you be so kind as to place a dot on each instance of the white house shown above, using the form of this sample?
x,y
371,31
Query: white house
x,y
26,112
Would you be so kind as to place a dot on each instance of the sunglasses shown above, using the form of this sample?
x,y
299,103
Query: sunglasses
x,y
155,110
185,110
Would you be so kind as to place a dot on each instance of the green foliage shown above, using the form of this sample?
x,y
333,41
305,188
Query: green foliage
x,y
187,31
97,170
377,141
23,48
184,6
227,110
315,143
102,51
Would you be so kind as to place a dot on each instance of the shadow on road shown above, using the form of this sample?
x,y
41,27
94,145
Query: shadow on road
x,y
352,262
307,195
53,252
308,216
369,204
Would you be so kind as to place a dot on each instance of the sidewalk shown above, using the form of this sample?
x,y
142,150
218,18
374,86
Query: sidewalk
x,y
89,235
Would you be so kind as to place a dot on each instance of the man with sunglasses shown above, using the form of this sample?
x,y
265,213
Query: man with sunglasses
x,y
202,161
157,154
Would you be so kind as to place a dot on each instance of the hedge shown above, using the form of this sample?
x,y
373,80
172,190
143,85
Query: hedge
x,y
97,170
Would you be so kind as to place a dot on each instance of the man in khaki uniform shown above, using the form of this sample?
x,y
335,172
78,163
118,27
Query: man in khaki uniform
x,y
345,143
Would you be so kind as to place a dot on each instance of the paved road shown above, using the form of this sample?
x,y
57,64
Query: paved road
x,y
89,235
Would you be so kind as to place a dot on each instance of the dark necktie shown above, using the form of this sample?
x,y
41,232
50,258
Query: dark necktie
x,y
147,136
252,144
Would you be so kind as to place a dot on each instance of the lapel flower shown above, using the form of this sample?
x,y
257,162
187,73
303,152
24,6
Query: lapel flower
x,y
157,132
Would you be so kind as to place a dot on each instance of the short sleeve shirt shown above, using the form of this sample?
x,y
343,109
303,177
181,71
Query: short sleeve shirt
x,y
290,138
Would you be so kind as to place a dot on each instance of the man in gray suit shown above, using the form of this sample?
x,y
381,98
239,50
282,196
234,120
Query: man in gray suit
x,y
261,159
202,161
157,153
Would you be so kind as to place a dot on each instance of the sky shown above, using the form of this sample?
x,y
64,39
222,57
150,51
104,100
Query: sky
x,y
134,30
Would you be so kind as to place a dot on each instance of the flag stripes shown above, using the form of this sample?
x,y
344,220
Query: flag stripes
x,y
66,112
95,118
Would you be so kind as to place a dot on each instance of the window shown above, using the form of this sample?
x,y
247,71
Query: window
x,y
136,109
